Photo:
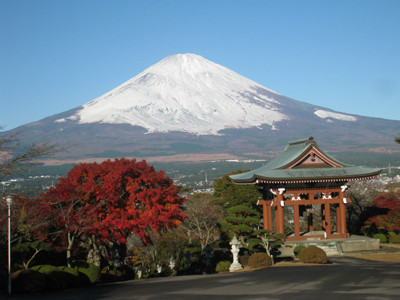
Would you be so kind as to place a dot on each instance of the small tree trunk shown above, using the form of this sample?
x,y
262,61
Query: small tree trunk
x,y
94,255
71,239
26,264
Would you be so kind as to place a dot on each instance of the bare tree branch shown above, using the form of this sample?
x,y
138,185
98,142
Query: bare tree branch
x,y
15,159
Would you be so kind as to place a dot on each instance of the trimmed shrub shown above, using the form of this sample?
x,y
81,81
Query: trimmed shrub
x,y
298,249
223,266
394,238
313,255
381,237
45,269
29,281
89,270
61,276
111,274
69,270
259,260
244,260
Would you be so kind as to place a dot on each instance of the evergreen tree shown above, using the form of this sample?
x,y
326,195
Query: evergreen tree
x,y
242,212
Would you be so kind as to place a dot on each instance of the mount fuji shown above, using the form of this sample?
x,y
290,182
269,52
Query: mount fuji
x,y
186,104
186,93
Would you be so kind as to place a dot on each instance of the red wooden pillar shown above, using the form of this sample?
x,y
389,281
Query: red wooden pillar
x,y
267,217
342,213
338,229
328,226
343,226
296,217
279,217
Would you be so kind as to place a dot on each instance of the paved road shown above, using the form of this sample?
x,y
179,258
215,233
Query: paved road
x,y
345,278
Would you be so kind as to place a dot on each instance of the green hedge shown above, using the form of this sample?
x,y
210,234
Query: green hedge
x,y
259,260
91,271
111,274
394,238
313,254
298,249
223,266
381,237
61,276
29,281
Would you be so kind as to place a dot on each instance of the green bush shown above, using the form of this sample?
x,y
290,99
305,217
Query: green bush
x,y
91,271
61,276
29,281
111,274
244,260
223,266
45,269
394,238
69,270
381,237
313,255
259,260
298,249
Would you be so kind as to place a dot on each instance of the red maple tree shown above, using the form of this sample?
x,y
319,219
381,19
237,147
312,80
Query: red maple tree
x,y
388,217
112,200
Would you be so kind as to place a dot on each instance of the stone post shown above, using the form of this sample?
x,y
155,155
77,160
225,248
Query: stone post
x,y
235,251
172,263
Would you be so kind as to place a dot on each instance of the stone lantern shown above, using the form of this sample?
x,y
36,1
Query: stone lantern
x,y
235,266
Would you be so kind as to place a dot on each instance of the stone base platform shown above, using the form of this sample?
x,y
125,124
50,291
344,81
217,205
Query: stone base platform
x,y
333,247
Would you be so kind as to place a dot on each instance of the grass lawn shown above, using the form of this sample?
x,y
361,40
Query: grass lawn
x,y
387,257
382,256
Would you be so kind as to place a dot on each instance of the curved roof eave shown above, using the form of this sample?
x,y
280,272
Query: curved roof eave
x,y
345,173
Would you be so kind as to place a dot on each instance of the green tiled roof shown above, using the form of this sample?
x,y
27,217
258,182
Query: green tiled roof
x,y
276,169
345,173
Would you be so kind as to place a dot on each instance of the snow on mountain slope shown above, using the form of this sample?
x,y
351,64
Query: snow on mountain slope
x,y
184,92
323,114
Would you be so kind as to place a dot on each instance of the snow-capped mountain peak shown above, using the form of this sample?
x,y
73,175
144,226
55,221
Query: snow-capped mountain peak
x,y
185,92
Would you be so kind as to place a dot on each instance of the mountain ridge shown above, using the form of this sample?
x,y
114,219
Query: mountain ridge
x,y
187,104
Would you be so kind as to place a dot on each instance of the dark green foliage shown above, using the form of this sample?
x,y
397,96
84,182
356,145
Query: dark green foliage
x,y
313,255
228,194
253,244
271,242
243,214
24,253
223,266
111,274
394,238
29,281
172,245
381,237
61,276
3,278
298,249
259,260
91,271
45,269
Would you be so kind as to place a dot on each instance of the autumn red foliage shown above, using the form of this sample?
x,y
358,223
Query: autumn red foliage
x,y
387,218
27,221
113,199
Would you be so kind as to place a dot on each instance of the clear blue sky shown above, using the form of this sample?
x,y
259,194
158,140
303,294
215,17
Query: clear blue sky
x,y
58,54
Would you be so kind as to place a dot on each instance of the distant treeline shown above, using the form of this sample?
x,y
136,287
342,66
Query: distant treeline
x,y
188,173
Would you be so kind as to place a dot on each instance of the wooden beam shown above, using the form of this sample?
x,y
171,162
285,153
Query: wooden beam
x,y
289,202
